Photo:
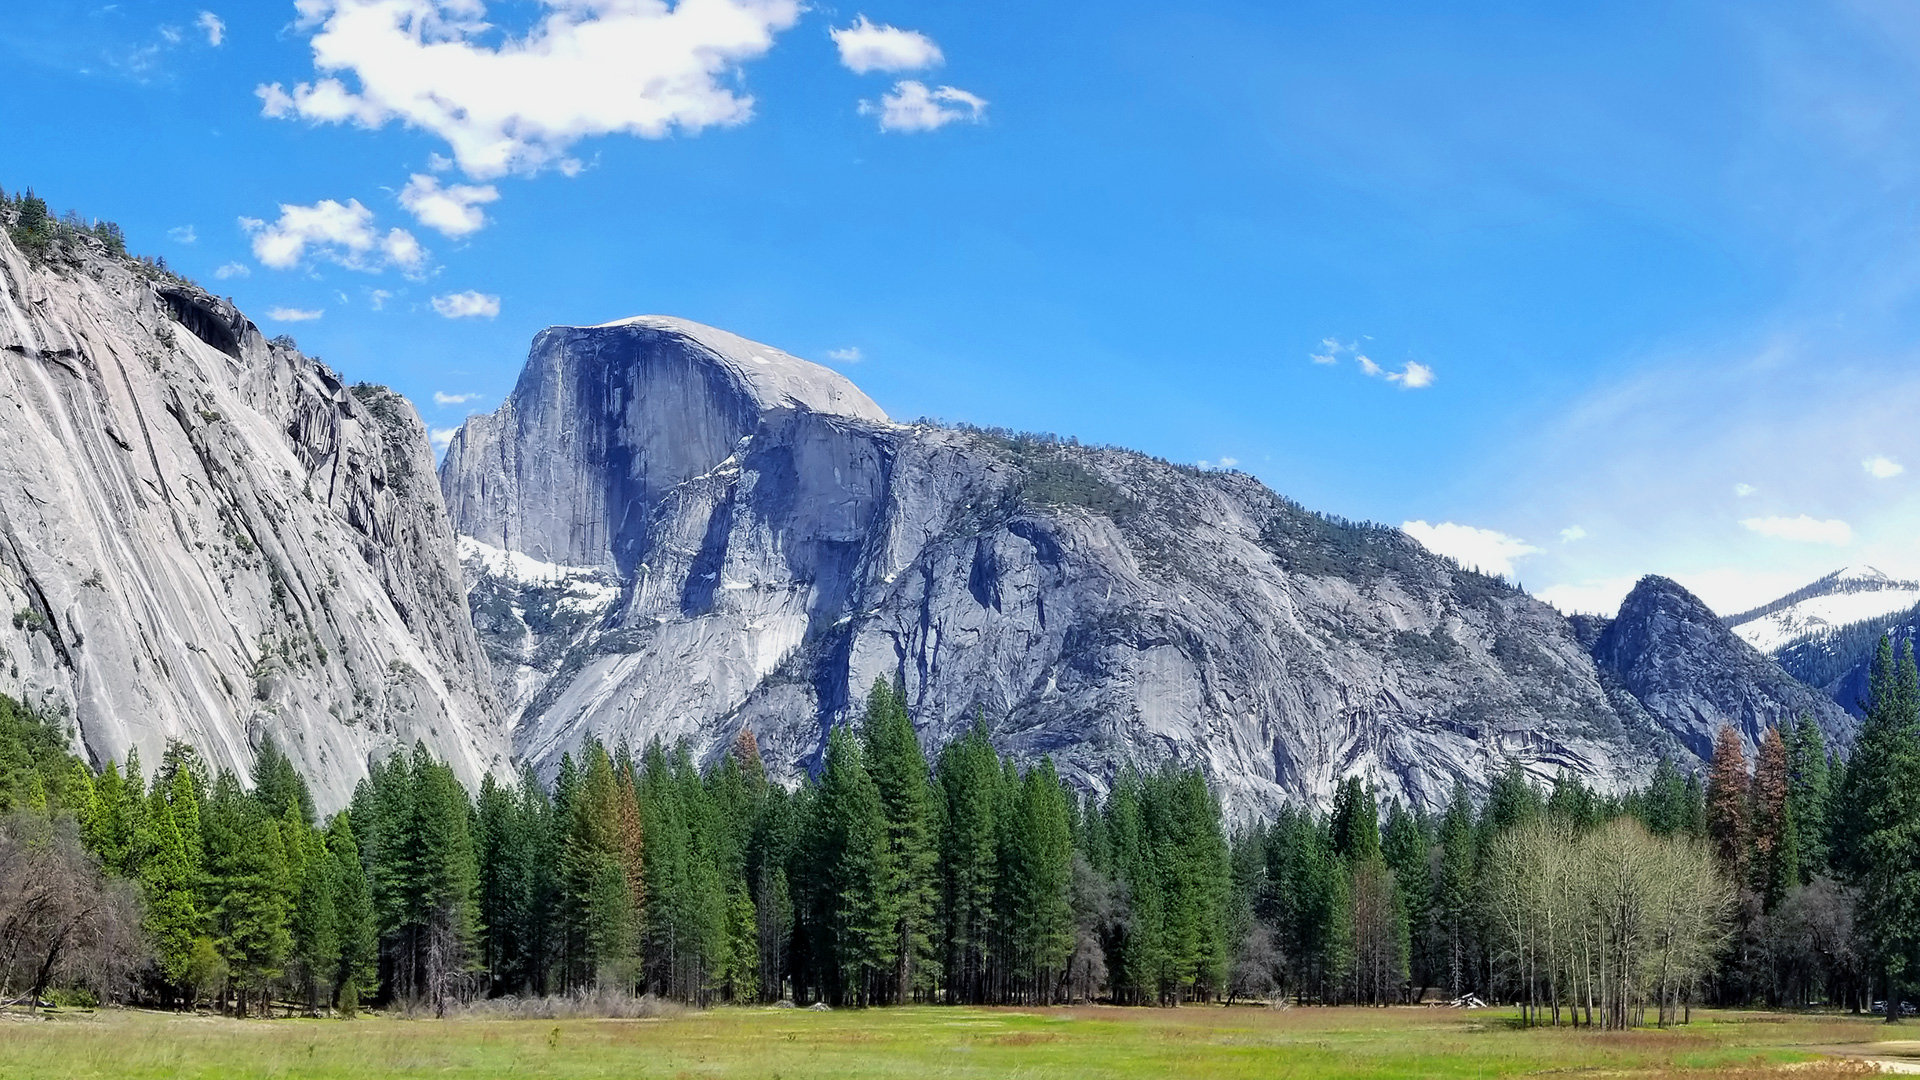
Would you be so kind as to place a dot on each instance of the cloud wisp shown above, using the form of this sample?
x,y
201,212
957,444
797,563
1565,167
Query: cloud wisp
x,y
1485,550
1801,529
849,355
868,46
446,400
213,26
453,210
1882,467
293,314
470,304
340,233
912,106
1413,376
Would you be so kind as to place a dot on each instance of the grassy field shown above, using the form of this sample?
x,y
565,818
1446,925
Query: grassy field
x,y
928,1043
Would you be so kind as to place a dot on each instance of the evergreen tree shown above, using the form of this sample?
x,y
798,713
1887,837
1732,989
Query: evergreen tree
x,y
899,770
969,779
1807,795
1727,824
1883,782
169,879
356,968
1776,846
859,919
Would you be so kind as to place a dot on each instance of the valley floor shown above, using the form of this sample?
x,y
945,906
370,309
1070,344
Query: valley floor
x,y
929,1043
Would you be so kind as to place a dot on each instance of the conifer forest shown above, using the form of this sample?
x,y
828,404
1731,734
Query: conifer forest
x,y
891,877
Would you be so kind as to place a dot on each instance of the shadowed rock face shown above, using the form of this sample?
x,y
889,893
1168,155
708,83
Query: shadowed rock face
x,y
1693,674
664,547
205,536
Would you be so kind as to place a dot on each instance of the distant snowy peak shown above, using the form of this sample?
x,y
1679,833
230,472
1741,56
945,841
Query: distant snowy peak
x,y
1849,595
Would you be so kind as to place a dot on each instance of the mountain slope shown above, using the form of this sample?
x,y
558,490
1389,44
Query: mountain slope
x,y
205,536
1843,598
1683,664
664,547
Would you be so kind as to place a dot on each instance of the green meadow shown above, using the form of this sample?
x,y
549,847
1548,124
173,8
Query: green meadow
x,y
929,1043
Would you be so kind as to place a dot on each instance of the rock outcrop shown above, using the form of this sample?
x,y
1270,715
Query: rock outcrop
x,y
207,536
676,534
1693,673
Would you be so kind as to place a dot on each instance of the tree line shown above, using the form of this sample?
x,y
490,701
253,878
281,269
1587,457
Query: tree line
x,y
888,877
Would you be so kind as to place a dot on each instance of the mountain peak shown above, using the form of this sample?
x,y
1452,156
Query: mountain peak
x,y
773,378
1851,594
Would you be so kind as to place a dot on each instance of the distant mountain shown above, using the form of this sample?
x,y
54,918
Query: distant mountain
x,y
1676,659
1850,595
668,532
675,533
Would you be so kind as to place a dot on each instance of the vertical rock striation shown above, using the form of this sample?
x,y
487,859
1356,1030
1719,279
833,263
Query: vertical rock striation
x,y
674,534
206,536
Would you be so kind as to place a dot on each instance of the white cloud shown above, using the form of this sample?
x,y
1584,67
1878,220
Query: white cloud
x,y
911,106
1572,534
866,46
517,103
1744,490
1881,467
467,305
213,26
849,355
1229,462
453,210
171,35
182,234
1485,550
444,399
442,436
340,233
1802,529
1588,597
378,299
232,270
1416,376
287,314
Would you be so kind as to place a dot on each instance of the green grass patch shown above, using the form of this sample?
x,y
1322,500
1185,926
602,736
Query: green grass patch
x,y
921,1043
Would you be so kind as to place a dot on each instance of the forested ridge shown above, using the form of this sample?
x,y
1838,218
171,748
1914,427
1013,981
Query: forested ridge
x,y
887,878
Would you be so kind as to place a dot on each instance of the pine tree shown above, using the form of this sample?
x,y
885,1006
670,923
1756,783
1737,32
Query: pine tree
x,y
1454,902
1807,796
1727,824
356,969
1883,781
1407,847
1776,848
169,880
247,879
859,919
899,770
1356,821
969,777
316,920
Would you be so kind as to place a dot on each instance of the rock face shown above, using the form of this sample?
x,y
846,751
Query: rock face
x,y
1693,673
673,533
206,536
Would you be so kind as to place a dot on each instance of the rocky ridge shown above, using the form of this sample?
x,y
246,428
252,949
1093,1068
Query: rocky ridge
x,y
208,536
776,545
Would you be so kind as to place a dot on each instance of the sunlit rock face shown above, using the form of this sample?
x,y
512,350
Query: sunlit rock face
x,y
675,534
206,536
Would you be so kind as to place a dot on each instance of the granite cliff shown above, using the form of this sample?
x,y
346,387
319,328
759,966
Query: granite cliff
x,y
208,536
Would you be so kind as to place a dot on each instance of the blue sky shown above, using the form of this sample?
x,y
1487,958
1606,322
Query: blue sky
x,y
1605,292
